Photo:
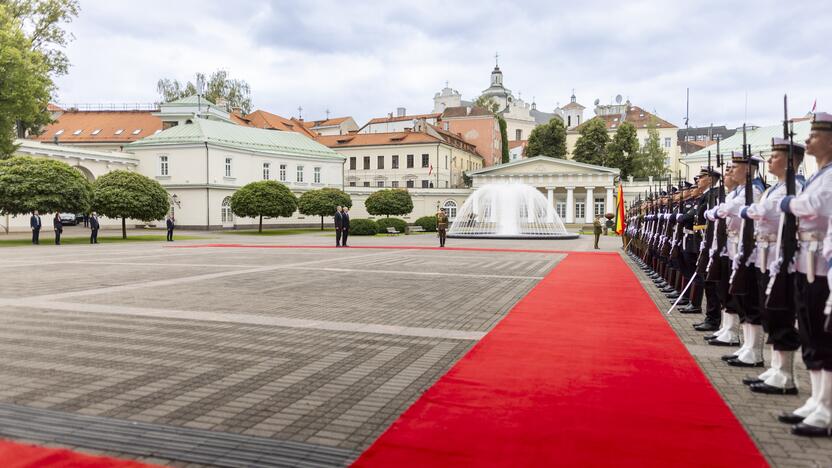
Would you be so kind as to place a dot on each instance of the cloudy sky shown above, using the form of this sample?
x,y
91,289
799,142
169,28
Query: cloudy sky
x,y
366,58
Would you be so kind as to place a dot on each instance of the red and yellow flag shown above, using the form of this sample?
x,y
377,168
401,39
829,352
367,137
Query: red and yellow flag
x,y
620,224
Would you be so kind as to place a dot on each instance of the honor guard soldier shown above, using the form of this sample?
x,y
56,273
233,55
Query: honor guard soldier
x,y
812,209
708,179
778,322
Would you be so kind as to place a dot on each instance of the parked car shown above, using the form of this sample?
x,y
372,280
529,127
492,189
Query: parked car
x,y
69,219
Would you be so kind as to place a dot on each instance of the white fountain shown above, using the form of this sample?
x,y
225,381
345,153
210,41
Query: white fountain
x,y
508,211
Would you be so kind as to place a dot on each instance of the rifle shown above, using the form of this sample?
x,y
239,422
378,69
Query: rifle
x,y
713,270
739,275
676,239
778,289
704,252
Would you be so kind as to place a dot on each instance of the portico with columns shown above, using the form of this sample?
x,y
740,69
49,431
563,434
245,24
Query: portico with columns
x,y
577,192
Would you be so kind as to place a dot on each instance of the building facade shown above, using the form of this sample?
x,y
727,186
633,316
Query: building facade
x,y
332,126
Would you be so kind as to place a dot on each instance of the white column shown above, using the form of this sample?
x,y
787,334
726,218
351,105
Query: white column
x,y
609,208
570,204
550,206
590,202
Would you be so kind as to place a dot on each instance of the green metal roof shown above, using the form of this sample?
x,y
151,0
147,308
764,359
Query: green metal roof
x,y
191,100
239,137
759,139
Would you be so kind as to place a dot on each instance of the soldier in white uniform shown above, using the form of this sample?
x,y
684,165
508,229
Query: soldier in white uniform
x,y
813,210
778,322
751,352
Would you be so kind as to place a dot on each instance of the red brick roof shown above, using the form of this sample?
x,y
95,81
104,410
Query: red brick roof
x,y
325,123
376,139
101,127
403,118
267,120
635,115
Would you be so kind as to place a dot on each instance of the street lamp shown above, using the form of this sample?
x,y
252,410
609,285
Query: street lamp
x,y
174,202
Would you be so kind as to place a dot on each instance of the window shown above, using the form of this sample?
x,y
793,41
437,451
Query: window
x,y
283,173
77,132
380,163
560,209
163,165
518,134
352,184
667,142
59,132
228,167
394,164
577,120
568,120
316,175
598,209
266,170
580,212
367,184
425,160
409,161
366,163
352,163
425,183
450,209
226,213
445,126
137,131
96,131
299,176
118,132
410,184
394,184
380,183
446,161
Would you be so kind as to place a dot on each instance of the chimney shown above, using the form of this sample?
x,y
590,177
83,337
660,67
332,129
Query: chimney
x,y
401,112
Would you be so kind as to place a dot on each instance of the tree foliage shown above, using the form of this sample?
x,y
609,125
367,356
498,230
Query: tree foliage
x,y
388,202
43,21
622,150
488,103
503,139
28,184
547,140
322,202
591,147
124,194
25,83
651,160
218,87
264,198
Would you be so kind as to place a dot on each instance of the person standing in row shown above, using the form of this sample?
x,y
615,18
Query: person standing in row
x,y
35,224
339,224
93,222
597,228
58,226
171,224
345,226
441,226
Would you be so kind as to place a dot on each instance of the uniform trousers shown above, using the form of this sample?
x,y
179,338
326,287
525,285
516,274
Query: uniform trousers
x,y
688,269
809,301
750,301
778,322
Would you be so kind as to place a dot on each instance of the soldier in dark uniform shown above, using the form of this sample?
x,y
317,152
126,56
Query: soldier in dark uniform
x,y
692,240
441,226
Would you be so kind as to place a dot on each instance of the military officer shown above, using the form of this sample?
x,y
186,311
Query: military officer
x,y
813,208
441,226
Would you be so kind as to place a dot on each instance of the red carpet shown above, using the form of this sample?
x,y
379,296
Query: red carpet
x,y
15,455
583,372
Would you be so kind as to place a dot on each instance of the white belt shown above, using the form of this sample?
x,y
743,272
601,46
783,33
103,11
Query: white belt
x,y
809,236
766,238
688,231
814,239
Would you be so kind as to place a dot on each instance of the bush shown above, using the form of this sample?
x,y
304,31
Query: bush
x,y
389,202
363,227
428,223
384,223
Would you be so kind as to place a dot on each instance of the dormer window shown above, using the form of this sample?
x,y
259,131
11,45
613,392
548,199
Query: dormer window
x,y
77,132
119,131
59,132
137,131
96,131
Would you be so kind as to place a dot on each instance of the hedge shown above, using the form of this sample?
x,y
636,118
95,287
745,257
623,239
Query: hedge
x,y
384,223
363,227
428,223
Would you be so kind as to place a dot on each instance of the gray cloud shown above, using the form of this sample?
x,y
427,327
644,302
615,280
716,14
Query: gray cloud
x,y
366,58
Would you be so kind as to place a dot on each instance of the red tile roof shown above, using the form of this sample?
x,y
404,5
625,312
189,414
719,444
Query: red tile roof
x,y
515,143
101,127
263,119
634,115
325,123
376,139
403,118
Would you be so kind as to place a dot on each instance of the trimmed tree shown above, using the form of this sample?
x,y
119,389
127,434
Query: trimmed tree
x,y
264,198
124,194
322,202
503,139
28,184
623,148
591,147
388,202
547,140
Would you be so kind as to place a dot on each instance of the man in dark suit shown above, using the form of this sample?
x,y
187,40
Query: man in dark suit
x,y
171,224
339,223
34,223
345,227
58,225
93,221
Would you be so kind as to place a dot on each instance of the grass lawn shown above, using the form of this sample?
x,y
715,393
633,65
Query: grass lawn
x,y
101,240
278,232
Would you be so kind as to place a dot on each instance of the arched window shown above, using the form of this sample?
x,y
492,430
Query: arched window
x,y
227,215
450,209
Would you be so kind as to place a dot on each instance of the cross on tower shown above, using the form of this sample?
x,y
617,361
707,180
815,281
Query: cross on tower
x,y
497,59
300,112
327,114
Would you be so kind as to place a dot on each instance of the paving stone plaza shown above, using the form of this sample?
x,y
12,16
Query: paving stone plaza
x,y
234,356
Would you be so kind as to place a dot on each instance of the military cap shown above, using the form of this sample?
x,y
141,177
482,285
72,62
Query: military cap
x,y
822,121
709,171
782,144
686,185
737,158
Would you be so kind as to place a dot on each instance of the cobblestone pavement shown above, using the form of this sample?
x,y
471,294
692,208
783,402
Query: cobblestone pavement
x,y
758,413
314,349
